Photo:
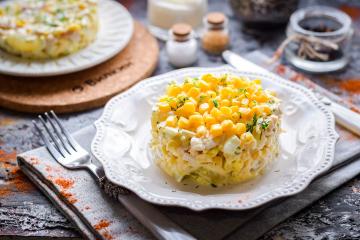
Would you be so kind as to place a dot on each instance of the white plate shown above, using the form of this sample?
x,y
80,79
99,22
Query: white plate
x,y
123,134
115,30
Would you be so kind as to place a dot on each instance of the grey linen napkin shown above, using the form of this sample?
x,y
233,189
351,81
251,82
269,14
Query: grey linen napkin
x,y
78,196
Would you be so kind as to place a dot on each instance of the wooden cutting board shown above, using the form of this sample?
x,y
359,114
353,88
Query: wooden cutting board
x,y
86,89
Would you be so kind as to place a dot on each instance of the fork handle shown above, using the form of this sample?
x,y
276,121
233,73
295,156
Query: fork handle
x,y
96,170
110,188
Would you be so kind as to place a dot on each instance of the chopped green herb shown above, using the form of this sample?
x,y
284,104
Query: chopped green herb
x,y
265,124
250,126
216,103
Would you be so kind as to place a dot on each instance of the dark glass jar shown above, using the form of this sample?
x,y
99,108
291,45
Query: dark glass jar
x,y
264,13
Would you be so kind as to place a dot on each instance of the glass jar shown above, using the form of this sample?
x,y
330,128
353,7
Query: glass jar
x,y
215,38
181,46
163,14
319,39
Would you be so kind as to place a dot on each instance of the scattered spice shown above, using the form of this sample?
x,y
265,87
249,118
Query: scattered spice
x,y
64,183
352,11
107,235
87,208
69,196
280,69
15,180
101,225
34,161
350,85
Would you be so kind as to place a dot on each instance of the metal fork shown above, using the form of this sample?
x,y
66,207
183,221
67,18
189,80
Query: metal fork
x,y
68,152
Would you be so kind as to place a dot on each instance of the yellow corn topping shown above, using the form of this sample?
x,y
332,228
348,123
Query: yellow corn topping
x,y
209,100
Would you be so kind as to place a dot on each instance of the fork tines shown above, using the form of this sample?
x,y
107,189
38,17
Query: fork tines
x,y
60,144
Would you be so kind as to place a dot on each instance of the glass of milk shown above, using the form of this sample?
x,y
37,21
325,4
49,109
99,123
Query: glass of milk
x,y
163,14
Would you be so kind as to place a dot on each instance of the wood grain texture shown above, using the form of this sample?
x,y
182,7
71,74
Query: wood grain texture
x,y
86,89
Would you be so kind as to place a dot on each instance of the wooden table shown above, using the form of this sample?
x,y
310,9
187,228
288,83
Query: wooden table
x,y
26,213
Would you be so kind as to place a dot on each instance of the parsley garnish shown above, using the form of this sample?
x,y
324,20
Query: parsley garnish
x,y
216,103
264,124
250,126
181,101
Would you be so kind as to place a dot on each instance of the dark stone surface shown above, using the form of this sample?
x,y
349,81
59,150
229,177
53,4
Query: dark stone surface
x,y
28,212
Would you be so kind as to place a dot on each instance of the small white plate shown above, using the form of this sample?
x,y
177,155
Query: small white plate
x,y
123,134
115,30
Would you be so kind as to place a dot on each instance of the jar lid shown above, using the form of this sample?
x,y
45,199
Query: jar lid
x,y
215,18
181,29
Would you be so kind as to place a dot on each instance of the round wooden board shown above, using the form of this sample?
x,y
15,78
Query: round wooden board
x,y
86,89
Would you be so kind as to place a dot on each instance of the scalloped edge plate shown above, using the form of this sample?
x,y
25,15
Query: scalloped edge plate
x,y
122,136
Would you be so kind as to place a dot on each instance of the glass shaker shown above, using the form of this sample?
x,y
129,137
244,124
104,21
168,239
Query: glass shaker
x,y
181,46
215,38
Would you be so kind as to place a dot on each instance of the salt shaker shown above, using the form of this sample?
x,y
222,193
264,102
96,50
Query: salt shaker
x,y
215,38
181,48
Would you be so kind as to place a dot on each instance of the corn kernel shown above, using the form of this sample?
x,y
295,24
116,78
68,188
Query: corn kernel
x,y
227,125
216,130
186,110
257,81
226,111
234,108
209,120
247,137
193,92
203,107
240,128
164,107
211,94
252,103
225,92
173,90
239,83
196,120
172,102
171,121
183,123
204,86
201,131
186,86
209,78
235,116
261,98
244,112
267,110
216,113
225,102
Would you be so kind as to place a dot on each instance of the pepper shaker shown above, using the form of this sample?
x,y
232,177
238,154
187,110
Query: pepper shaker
x,y
215,38
181,48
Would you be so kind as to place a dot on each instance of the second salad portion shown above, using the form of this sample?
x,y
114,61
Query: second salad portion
x,y
36,29
216,130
